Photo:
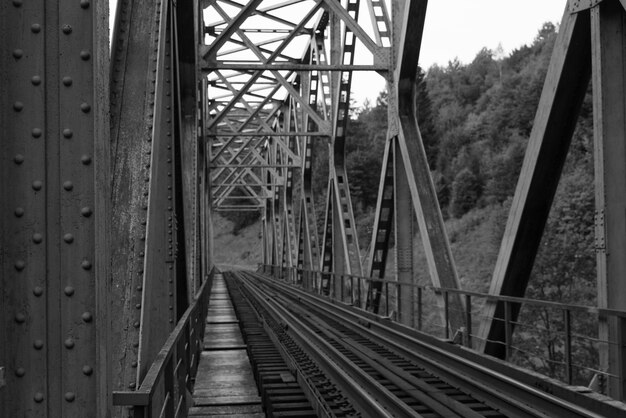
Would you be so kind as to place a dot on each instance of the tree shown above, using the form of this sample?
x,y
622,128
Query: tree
x,y
466,190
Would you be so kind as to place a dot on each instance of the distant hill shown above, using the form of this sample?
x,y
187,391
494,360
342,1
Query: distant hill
x,y
241,250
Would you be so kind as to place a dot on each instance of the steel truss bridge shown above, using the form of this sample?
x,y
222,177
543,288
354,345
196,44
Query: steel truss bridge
x,y
115,159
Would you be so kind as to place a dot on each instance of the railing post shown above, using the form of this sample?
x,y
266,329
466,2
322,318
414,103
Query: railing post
x,y
419,308
508,329
168,385
468,321
342,287
352,290
568,345
358,283
386,298
446,307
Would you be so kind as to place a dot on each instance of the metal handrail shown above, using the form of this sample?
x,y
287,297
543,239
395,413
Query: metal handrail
x,y
354,289
175,365
486,296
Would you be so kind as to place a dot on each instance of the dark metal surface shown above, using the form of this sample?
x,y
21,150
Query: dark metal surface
x,y
52,242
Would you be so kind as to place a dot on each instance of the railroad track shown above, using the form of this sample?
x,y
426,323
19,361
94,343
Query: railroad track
x,y
379,369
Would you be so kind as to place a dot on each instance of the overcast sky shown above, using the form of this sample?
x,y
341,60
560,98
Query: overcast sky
x,y
461,28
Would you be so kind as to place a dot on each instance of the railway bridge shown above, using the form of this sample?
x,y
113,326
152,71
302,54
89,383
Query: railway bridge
x,y
117,152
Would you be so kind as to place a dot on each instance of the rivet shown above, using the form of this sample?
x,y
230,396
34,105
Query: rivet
x,y
69,238
138,306
18,53
18,106
67,29
87,317
86,265
136,324
20,372
68,185
86,211
85,159
171,321
131,385
70,396
35,80
38,291
67,81
85,107
85,55
68,133
133,364
20,265
37,238
17,3
18,159
37,185
171,308
135,344
19,212
36,132
84,4
20,318
69,343
139,288
87,370
35,28
38,344
69,290
38,396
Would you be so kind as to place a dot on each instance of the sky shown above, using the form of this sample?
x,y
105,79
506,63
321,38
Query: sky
x,y
461,28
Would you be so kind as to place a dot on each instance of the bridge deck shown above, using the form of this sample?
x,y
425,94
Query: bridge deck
x,y
225,385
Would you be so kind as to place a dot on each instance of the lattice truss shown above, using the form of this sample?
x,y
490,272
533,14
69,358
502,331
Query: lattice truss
x,y
279,75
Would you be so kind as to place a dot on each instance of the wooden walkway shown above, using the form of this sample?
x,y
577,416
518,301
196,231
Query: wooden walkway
x,y
225,385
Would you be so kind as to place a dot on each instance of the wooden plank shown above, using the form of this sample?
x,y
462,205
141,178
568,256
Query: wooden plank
x,y
564,89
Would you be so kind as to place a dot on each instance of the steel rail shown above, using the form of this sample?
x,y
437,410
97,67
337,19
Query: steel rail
x,y
422,392
370,397
516,391
319,403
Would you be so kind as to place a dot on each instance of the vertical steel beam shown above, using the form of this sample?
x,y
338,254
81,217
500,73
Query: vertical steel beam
x,y
53,189
564,90
158,302
133,80
424,197
403,217
608,34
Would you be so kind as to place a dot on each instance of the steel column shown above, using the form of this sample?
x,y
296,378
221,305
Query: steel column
x,y
53,193
608,35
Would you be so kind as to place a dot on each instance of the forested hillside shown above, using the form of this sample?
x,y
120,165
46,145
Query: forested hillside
x,y
475,120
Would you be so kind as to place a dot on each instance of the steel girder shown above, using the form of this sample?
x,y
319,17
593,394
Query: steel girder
x,y
54,198
156,234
